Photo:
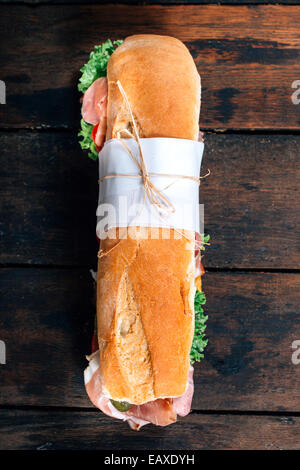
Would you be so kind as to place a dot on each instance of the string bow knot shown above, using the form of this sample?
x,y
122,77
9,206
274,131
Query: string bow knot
x,y
155,196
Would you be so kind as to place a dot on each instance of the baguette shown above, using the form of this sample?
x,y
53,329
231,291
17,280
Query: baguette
x,y
145,287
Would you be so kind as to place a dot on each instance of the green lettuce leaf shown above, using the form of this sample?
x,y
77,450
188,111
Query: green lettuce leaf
x,y
204,241
97,64
93,69
87,142
199,342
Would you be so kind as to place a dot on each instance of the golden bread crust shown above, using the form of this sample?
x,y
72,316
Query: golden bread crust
x,y
145,295
162,84
145,288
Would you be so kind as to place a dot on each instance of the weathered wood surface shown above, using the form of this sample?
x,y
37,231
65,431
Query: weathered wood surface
x,y
48,190
47,320
49,193
247,388
154,2
248,58
66,430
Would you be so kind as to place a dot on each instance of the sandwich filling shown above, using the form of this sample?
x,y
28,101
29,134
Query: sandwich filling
x,y
161,412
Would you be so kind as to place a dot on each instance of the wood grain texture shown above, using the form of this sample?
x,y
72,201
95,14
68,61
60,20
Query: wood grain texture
x,y
152,2
47,321
247,56
65,430
49,194
48,190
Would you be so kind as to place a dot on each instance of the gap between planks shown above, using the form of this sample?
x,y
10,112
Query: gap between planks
x,y
78,409
207,268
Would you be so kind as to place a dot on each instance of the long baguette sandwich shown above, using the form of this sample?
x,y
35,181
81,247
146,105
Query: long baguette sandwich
x,y
147,337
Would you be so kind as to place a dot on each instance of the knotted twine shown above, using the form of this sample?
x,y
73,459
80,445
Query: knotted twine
x,y
155,196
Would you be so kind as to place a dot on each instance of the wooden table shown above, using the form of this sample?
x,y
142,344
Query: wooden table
x,y
247,389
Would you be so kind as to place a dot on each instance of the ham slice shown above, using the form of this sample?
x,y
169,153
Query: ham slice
x,y
199,269
182,405
93,385
94,108
101,133
94,104
201,136
160,412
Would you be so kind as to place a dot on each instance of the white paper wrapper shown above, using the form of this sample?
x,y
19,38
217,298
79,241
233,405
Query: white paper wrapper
x,y
122,201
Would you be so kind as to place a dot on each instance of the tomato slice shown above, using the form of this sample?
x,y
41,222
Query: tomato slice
x,y
93,135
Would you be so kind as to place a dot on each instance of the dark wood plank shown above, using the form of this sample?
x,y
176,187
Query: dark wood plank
x,y
32,430
47,320
153,2
46,324
49,195
248,57
251,208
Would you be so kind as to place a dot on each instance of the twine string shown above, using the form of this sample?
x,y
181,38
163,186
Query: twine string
x,y
155,196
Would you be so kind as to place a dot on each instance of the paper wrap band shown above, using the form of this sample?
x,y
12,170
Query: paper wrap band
x,y
122,200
